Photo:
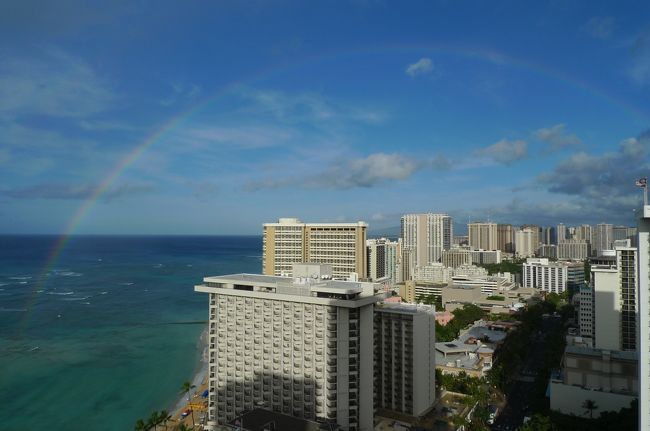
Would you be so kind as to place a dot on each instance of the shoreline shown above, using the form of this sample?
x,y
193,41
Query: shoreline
x,y
199,380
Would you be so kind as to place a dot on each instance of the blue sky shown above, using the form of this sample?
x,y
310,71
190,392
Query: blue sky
x,y
520,112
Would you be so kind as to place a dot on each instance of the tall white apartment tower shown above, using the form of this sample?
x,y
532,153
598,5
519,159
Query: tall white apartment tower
x,y
525,244
560,233
302,346
482,236
643,316
405,358
289,241
603,237
425,236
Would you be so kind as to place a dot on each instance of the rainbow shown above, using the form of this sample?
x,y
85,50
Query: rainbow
x,y
138,150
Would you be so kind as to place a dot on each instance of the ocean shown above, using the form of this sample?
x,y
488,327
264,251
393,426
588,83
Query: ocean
x,y
110,331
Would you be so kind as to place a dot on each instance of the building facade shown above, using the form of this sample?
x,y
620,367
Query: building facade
x,y
425,236
482,235
456,257
603,237
643,321
553,277
525,245
290,241
405,358
376,258
573,249
506,238
302,346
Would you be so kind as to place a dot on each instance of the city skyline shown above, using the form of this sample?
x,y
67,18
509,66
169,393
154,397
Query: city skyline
x,y
174,119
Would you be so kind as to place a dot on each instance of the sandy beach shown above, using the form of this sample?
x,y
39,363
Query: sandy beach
x,y
196,402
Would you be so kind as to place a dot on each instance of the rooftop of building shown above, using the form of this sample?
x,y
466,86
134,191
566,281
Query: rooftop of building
x,y
286,221
262,419
598,353
405,308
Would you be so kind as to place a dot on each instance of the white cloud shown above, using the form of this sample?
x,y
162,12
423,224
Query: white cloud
x,y
505,152
366,172
420,67
599,27
556,137
51,83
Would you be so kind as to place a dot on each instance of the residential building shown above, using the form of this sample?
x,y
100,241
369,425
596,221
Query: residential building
x,y
303,346
614,306
603,237
393,261
548,251
404,358
535,235
483,257
376,258
619,233
573,249
438,273
460,240
584,233
586,313
609,378
424,237
560,233
456,257
289,241
553,277
482,235
525,243
547,235
643,225
505,238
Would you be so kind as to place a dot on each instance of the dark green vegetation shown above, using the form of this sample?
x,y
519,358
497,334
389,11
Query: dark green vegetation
x,y
463,317
477,391
155,420
511,266
626,419
496,298
431,300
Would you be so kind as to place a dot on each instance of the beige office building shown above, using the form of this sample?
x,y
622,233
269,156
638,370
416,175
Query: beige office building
x,y
506,238
424,237
301,346
482,236
289,241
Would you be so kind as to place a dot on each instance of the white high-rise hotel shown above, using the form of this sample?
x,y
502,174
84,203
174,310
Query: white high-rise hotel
x,y
302,346
424,237
643,316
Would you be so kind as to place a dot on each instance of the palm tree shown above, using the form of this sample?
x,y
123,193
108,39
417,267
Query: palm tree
x,y
140,425
186,388
163,417
153,421
590,405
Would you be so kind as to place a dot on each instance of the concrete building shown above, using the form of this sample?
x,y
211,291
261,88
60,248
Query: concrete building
x,y
584,233
535,235
541,274
643,225
456,257
525,243
505,238
405,358
548,251
424,237
303,346
603,237
609,378
614,302
438,273
376,258
619,233
586,313
289,241
560,233
573,249
547,235
482,235
483,257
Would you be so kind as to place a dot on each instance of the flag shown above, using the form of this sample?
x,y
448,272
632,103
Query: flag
x,y
642,182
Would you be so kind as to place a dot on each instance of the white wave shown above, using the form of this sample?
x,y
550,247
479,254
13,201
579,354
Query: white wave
x,y
87,303
24,277
76,299
60,293
103,293
70,274
3,284
20,310
126,284
40,291
22,282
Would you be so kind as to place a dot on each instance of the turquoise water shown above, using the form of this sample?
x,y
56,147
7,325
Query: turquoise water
x,y
110,332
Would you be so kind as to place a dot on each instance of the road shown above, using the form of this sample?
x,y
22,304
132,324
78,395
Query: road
x,y
521,394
